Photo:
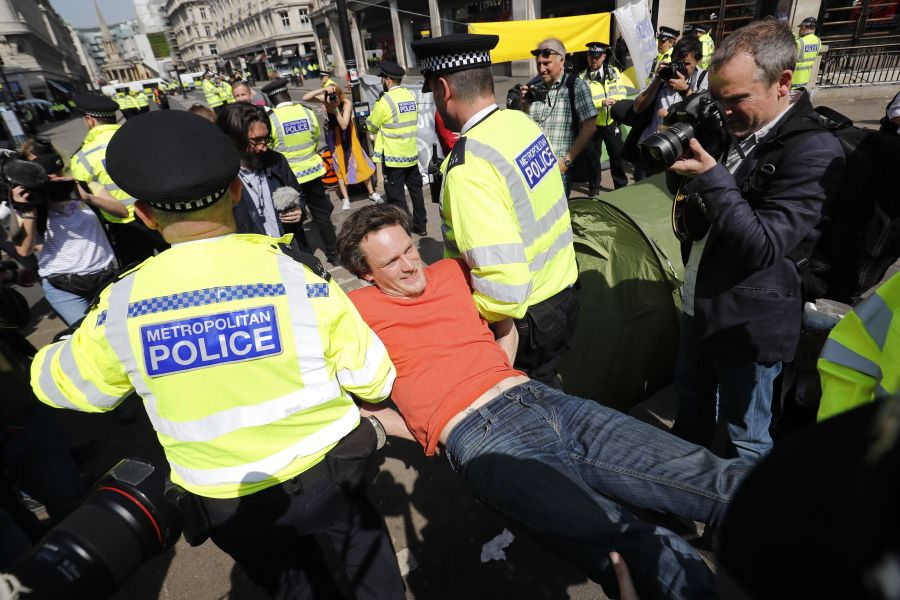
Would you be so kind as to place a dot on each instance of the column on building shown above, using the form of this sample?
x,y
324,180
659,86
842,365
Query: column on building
x,y
435,14
524,10
336,50
399,46
358,49
671,13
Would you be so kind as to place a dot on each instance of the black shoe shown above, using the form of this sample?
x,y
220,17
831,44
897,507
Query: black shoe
x,y
423,232
333,259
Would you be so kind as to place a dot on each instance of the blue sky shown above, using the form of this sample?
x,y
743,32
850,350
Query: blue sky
x,y
80,13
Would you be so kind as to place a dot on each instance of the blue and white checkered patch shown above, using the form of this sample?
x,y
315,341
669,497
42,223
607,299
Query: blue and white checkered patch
x,y
317,290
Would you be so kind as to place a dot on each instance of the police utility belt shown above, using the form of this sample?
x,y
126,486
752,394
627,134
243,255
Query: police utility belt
x,y
345,465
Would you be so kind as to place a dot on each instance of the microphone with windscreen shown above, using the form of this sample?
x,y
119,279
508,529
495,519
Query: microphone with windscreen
x,y
285,199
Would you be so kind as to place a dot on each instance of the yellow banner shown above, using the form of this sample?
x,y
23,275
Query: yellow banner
x,y
519,38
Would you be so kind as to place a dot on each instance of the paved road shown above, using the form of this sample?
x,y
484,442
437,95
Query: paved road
x,y
437,528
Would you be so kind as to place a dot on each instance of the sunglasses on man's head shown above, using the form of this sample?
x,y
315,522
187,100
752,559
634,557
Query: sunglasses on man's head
x,y
545,52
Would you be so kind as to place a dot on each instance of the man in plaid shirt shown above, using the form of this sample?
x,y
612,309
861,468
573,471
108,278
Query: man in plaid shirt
x,y
554,114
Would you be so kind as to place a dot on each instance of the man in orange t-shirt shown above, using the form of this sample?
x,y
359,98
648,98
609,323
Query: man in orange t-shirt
x,y
559,465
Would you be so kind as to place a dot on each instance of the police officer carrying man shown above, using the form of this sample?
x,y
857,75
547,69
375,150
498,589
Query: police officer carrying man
x,y
522,266
607,88
394,121
808,44
191,327
296,131
131,240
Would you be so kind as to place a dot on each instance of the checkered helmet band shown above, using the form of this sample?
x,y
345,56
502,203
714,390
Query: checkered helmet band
x,y
281,90
189,205
455,62
102,115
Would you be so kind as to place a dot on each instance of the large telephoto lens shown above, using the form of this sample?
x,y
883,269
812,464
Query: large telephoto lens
x,y
125,521
662,149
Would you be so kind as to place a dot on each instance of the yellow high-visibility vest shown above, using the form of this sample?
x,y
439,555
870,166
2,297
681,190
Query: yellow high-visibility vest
x,y
245,362
394,121
504,211
611,87
807,50
296,132
89,165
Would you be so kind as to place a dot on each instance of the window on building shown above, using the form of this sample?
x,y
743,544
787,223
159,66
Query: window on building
x,y
208,32
213,49
285,19
304,16
202,13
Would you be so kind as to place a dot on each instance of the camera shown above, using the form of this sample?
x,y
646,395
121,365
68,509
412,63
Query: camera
x,y
332,98
130,517
700,116
536,93
671,70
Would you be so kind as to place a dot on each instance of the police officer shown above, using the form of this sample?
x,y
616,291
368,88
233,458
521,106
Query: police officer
x,y
226,94
296,132
123,101
141,104
131,240
665,41
503,205
211,93
607,88
860,361
325,78
394,121
808,44
701,32
189,329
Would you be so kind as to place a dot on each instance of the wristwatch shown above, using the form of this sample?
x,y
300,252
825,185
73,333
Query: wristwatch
x,y
567,161
380,435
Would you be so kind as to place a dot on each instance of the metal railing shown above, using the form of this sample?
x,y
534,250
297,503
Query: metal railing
x,y
860,65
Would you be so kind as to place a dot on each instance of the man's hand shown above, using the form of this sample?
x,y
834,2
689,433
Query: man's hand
x,y
623,575
21,195
294,215
609,101
562,164
679,83
699,163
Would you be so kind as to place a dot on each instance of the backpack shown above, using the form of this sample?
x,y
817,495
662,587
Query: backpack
x,y
860,230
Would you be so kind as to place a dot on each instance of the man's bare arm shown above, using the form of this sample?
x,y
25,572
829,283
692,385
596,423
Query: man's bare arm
x,y
507,337
390,419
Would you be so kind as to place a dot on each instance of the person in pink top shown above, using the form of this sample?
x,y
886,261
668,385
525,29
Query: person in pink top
x,y
565,468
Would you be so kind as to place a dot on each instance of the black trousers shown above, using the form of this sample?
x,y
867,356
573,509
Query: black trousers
x,y
544,334
320,207
275,534
394,180
610,136
134,242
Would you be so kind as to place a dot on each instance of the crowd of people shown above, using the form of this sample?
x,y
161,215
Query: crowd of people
x,y
217,285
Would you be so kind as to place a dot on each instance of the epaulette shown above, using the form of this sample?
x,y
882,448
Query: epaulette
x,y
307,259
457,155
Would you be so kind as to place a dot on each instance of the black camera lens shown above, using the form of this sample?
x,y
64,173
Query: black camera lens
x,y
662,149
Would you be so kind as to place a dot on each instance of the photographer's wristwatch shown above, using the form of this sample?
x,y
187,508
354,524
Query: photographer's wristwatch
x,y
567,161
380,434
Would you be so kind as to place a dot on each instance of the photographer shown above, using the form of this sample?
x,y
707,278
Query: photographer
x,y
674,81
76,259
742,305
563,107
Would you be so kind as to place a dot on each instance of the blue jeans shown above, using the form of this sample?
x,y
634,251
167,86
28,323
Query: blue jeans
x,y
563,467
70,307
741,391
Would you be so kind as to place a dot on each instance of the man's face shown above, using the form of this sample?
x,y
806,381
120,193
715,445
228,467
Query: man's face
x,y
664,43
257,144
596,60
241,94
690,63
748,103
394,263
550,68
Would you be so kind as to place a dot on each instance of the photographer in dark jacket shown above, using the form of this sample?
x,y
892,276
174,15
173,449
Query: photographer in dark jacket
x,y
742,305
263,173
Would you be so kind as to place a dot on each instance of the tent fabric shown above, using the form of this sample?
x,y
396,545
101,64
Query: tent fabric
x,y
519,38
630,270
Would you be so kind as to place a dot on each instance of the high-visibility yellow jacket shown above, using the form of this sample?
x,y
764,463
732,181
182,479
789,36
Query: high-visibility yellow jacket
x,y
211,93
226,93
610,87
394,121
861,358
89,165
139,99
707,48
123,100
296,131
807,50
244,361
660,58
504,210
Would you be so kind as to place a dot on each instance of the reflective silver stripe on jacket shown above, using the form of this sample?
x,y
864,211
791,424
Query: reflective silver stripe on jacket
x,y
318,389
876,317
278,131
840,354
400,136
399,125
541,259
395,114
82,158
531,227
92,393
48,385
505,292
298,147
496,254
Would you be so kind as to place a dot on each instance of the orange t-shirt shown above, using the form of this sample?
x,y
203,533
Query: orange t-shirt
x,y
445,354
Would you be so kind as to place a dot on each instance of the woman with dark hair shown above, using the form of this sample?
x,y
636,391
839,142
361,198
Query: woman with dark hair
x,y
265,207
76,259
351,164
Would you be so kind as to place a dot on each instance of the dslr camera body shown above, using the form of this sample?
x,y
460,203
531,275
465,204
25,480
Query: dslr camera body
x,y
701,117
671,70
17,170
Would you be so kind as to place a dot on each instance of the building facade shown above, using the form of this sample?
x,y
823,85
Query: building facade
x,y
193,34
40,59
265,37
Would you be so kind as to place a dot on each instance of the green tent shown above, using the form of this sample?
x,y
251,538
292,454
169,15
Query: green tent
x,y
630,270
